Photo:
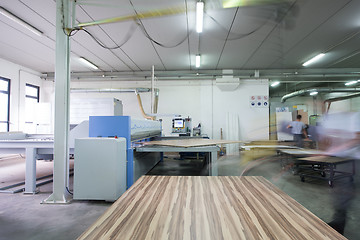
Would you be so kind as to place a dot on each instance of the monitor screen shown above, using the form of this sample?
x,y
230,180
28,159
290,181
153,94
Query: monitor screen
x,y
178,123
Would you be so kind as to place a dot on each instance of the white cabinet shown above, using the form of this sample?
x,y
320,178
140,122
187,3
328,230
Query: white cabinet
x,y
99,168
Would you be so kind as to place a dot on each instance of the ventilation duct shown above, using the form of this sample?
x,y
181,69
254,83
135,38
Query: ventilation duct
x,y
227,82
319,90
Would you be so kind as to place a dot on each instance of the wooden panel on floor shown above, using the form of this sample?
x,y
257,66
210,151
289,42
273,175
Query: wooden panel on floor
x,y
200,207
197,142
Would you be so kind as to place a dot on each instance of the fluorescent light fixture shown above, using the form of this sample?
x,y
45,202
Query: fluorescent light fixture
x,y
351,83
21,22
197,61
274,84
199,16
314,59
87,63
313,93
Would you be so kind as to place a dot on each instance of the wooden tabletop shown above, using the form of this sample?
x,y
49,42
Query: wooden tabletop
x,y
201,207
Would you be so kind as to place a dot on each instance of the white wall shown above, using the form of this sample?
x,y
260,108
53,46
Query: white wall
x,y
312,105
202,100
19,76
348,105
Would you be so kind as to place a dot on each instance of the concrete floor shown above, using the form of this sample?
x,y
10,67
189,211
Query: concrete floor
x,y
23,217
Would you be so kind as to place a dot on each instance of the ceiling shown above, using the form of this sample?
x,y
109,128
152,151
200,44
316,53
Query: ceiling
x,y
273,38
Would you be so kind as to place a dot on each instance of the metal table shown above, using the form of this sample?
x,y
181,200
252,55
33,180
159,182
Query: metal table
x,y
211,152
311,162
33,149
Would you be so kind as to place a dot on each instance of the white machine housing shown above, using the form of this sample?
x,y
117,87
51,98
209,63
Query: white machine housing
x,y
99,168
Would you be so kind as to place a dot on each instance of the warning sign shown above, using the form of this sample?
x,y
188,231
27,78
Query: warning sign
x,y
259,101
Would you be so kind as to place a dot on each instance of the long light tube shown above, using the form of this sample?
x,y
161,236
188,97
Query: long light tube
x,y
274,84
199,16
19,21
314,59
197,60
313,93
87,63
351,83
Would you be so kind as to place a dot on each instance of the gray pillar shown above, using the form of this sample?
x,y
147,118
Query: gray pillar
x,y
62,89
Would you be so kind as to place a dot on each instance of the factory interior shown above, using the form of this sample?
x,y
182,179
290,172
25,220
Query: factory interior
x,y
182,119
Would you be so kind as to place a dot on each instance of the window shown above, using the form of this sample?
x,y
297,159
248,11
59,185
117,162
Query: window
x,y
31,98
4,104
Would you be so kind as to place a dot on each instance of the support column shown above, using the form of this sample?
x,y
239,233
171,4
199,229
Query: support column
x,y
30,171
62,89
213,163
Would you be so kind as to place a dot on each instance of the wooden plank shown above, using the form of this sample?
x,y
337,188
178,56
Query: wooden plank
x,y
200,207
268,147
302,152
326,159
197,142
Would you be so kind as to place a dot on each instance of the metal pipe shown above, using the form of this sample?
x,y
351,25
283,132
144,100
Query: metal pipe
x,y
303,91
156,103
241,73
152,88
108,90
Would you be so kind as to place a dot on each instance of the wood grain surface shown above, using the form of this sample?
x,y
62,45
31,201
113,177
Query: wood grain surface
x,y
309,152
200,207
197,142
325,159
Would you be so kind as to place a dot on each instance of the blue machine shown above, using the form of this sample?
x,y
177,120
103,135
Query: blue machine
x,y
133,130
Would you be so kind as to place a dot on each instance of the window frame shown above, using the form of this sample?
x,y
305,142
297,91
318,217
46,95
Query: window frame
x,y
37,89
8,107
32,97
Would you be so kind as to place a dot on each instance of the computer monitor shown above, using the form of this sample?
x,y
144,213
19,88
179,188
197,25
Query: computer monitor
x,y
179,123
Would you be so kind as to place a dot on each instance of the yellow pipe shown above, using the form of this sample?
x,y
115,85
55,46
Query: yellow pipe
x,y
149,14
142,108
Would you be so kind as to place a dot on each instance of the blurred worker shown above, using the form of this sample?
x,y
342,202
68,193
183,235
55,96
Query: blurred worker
x,y
340,137
298,130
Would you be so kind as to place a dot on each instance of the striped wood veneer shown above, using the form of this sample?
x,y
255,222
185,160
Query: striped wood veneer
x,y
169,207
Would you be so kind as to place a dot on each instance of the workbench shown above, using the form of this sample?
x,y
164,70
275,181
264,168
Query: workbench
x,y
33,149
211,153
317,164
327,168
203,207
288,155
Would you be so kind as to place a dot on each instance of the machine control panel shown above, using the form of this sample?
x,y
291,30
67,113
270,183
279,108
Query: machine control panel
x,y
181,125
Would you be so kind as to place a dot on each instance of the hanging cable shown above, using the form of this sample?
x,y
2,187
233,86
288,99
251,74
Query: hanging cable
x,y
161,44
237,35
147,35
127,38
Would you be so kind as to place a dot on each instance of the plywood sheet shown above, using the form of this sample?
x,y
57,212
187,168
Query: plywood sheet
x,y
325,159
197,142
302,152
247,147
200,207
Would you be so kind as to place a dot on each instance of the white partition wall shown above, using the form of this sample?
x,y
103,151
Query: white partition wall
x,y
202,100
